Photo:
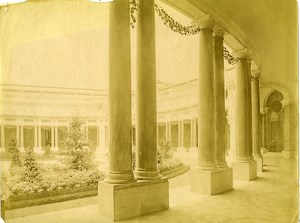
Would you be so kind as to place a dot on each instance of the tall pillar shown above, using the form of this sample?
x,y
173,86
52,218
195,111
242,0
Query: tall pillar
x,y
249,102
178,135
219,99
264,129
244,167
22,137
18,134
119,153
182,133
2,137
191,133
52,136
290,132
120,197
207,178
35,138
206,134
39,137
256,131
170,130
56,136
146,168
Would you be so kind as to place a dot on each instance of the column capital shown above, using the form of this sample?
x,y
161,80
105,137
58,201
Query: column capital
x,y
242,54
264,110
204,22
255,75
219,31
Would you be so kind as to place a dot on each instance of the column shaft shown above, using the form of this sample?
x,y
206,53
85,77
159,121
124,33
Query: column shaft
x,y
119,95
249,100
219,99
18,134
263,131
206,134
39,137
35,137
56,136
146,168
241,113
2,137
22,136
256,133
52,136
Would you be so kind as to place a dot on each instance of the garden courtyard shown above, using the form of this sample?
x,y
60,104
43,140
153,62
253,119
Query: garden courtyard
x,y
269,198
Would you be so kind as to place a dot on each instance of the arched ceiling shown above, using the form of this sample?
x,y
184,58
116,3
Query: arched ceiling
x,y
268,28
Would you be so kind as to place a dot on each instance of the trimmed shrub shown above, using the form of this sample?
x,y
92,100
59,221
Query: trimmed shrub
x,y
78,154
32,170
14,152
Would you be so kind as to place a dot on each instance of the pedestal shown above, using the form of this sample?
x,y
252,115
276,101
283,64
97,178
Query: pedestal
x,y
119,202
259,164
244,170
211,181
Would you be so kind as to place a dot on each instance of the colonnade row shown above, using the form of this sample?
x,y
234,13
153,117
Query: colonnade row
x,y
39,137
211,99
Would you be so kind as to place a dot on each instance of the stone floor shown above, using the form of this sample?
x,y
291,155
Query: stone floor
x,y
272,197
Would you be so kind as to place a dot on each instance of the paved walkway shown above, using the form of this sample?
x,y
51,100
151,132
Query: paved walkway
x,y
272,197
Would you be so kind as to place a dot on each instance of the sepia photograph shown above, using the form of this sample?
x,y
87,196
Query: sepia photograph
x,y
149,111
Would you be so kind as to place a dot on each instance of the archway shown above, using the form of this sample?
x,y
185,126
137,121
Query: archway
x,y
274,122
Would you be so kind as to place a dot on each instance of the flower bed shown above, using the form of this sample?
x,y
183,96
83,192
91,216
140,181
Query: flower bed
x,y
54,178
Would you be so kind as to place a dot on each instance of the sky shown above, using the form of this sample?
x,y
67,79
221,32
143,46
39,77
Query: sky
x,y
65,44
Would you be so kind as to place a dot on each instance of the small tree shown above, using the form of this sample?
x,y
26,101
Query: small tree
x,y
164,151
32,170
14,154
78,155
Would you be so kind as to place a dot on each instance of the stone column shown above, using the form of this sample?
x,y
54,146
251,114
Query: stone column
x,y
18,134
206,133
249,101
263,129
179,129
22,137
39,137
146,168
244,168
119,196
170,130
119,95
52,136
35,138
56,136
219,99
207,178
192,133
2,137
256,132
290,120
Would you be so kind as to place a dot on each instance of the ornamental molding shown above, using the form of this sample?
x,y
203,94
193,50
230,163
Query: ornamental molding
x,y
204,22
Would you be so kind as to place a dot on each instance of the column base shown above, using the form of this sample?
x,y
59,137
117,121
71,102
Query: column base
x,y
38,150
244,170
211,181
289,154
259,163
144,175
119,202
